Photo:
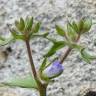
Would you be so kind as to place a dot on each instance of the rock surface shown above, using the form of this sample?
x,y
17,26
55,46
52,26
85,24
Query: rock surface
x,y
77,75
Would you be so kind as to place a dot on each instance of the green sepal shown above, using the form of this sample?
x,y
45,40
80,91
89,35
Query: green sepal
x,y
87,25
26,82
84,25
75,26
36,27
17,24
20,25
35,30
80,26
72,35
29,23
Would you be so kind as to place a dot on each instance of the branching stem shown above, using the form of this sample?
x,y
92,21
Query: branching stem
x,y
41,87
68,52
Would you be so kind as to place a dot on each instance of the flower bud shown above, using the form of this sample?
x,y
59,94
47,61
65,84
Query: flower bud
x,y
52,71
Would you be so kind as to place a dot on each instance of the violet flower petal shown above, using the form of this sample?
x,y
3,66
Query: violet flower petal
x,y
53,70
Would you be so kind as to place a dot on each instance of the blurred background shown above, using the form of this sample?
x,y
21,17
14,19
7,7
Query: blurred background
x,y
78,75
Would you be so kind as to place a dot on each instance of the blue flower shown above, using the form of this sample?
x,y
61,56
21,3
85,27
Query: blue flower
x,y
53,70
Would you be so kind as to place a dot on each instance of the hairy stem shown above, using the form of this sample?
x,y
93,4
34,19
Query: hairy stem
x,y
31,59
68,52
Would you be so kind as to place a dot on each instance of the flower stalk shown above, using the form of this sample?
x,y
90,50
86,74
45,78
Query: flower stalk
x,y
68,51
31,59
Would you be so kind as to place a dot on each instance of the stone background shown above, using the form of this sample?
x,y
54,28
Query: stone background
x,y
77,75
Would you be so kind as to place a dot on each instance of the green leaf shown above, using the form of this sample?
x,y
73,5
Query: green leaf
x,y
29,23
57,45
27,82
41,35
44,35
52,40
60,31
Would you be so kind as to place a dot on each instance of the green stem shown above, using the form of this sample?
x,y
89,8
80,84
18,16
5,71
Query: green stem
x,y
42,90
